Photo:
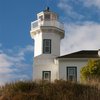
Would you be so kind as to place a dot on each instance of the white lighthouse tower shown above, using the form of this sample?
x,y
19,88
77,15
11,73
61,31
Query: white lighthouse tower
x,y
47,32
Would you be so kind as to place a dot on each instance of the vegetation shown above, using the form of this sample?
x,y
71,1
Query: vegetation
x,y
59,90
91,70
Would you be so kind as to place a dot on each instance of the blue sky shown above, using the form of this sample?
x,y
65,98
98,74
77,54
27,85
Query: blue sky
x,y
82,26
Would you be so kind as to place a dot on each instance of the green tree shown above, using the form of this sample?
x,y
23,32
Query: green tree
x,y
91,70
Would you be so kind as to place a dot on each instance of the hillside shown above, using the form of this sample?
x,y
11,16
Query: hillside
x,y
59,90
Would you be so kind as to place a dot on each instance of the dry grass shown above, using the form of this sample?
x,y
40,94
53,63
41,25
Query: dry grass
x,y
59,90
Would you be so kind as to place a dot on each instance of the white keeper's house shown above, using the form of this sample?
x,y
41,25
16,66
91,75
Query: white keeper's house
x,y
47,32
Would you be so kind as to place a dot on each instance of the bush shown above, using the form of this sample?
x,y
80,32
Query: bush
x,y
91,70
59,90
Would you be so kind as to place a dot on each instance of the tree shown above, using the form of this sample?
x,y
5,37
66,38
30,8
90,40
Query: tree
x,y
91,70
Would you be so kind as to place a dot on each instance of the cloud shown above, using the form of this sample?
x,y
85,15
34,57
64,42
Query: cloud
x,y
28,48
81,37
1,51
14,65
83,30
4,61
80,10
89,3
69,10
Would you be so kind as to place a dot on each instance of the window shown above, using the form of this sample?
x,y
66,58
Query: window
x,y
41,18
46,46
54,17
72,73
47,16
46,75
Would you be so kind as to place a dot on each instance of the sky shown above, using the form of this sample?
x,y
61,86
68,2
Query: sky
x,y
81,19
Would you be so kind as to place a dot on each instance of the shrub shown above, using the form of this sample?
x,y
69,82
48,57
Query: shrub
x,y
91,70
58,90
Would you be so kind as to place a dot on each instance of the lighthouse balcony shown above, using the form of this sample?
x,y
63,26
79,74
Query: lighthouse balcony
x,y
47,23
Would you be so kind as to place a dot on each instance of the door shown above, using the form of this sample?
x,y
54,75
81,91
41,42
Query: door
x,y
72,73
46,75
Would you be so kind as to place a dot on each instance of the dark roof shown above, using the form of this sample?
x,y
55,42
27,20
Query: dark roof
x,y
82,54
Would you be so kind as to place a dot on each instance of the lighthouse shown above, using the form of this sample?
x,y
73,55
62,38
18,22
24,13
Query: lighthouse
x,y
47,32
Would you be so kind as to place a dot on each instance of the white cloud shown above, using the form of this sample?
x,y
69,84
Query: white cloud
x,y
5,61
8,60
28,48
69,10
81,37
5,70
0,48
89,3
10,63
6,78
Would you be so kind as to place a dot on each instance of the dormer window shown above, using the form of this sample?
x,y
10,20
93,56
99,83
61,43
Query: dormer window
x,y
47,16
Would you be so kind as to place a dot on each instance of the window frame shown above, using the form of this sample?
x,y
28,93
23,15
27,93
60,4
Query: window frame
x,y
47,16
43,74
74,67
41,17
45,46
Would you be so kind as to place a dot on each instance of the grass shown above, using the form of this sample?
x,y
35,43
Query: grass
x,y
58,90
